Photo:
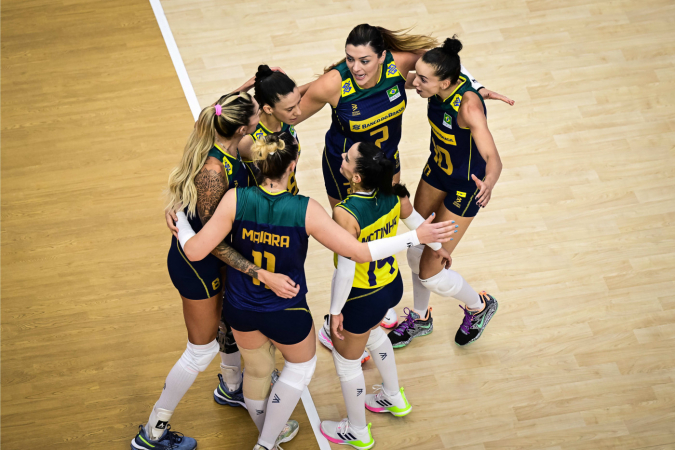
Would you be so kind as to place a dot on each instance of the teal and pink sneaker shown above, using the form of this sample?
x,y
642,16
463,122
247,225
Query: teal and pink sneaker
x,y
382,402
344,433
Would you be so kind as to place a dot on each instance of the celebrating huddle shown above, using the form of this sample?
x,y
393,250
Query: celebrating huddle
x,y
241,232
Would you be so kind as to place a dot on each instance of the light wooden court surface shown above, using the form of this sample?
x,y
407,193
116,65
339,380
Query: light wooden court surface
x,y
578,242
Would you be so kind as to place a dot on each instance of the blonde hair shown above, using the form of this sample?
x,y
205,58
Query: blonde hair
x,y
236,111
274,153
381,39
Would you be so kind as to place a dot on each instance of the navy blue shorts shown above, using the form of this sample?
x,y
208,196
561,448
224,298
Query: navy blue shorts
x,y
460,198
337,186
288,326
365,308
195,280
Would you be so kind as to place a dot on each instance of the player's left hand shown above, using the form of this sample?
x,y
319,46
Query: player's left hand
x,y
171,220
336,326
487,94
484,193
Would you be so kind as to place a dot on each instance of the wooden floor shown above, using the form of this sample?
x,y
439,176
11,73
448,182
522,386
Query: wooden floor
x,y
578,242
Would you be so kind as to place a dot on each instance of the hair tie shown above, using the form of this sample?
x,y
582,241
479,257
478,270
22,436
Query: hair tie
x,y
219,109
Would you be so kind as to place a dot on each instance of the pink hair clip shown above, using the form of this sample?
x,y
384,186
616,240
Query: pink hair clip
x,y
219,109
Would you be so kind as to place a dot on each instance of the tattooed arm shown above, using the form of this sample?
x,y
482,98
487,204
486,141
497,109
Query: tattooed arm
x,y
211,186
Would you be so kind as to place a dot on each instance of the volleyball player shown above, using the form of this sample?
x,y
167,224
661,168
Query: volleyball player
x,y
457,181
208,167
362,293
273,227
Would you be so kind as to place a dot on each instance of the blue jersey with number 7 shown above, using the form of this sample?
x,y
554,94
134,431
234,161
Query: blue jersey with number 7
x,y
268,229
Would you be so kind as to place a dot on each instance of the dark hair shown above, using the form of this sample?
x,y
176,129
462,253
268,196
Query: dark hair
x,y
376,171
381,39
236,111
270,86
445,60
273,154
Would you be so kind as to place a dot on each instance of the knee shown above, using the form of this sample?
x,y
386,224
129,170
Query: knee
x,y
376,339
446,283
258,374
298,375
414,255
347,369
196,358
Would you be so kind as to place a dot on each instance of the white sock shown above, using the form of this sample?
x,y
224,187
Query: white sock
x,y
176,385
230,368
354,393
283,400
257,409
386,365
420,296
469,297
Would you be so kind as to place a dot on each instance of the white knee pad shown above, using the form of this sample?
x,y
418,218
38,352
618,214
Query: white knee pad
x,y
414,256
298,375
347,369
446,283
376,338
196,358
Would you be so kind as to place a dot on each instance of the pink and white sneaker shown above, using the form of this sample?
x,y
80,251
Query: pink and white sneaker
x,y
390,319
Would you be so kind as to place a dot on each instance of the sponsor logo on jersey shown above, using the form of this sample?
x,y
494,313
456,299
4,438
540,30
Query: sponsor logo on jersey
x,y
374,121
392,70
447,138
456,101
447,121
257,134
228,166
355,110
347,88
263,237
393,93
461,194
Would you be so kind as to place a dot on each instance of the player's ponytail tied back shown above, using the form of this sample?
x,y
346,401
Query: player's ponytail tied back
x,y
273,154
377,172
381,39
270,86
445,60
233,112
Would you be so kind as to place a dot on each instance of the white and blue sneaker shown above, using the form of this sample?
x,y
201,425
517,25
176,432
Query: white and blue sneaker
x,y
169,440
223,396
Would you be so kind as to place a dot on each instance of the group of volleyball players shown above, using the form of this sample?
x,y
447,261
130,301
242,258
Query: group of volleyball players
x,y
241,233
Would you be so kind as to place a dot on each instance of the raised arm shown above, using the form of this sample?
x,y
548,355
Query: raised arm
x,y
335,238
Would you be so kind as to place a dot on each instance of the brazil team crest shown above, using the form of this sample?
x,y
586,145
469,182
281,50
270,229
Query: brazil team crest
x,y
393,93
447,121
292,130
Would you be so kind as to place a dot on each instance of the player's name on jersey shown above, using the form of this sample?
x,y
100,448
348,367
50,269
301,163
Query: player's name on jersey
x,y
263,237
381,232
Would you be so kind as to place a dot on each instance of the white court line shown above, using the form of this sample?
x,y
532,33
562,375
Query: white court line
x,y
191,97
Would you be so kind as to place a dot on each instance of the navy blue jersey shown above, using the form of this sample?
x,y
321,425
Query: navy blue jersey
x,y
453,147
268,229
262,131
369,115
236,170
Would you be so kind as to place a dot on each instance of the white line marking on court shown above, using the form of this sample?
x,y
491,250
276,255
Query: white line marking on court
x,y
191,97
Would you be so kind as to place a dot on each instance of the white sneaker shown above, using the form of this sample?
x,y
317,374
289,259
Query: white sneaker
x,y
382,402
343,433
390,319
324,338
